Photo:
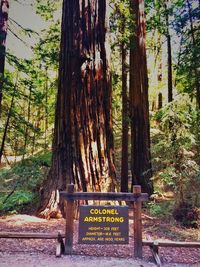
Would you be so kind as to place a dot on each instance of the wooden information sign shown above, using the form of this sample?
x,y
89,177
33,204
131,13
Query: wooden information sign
x,y
103,225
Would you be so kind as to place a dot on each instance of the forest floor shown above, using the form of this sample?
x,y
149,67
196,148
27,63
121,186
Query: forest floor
x,y
29,253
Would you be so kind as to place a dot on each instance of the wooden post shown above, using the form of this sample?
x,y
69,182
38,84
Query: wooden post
x,y
137,208
154,249
69,222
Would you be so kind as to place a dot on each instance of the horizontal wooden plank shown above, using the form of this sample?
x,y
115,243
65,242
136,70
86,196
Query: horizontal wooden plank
x,y
26,235
171,244
103,196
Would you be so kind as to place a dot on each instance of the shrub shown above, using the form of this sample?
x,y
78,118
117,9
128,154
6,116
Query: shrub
x,y
22,182
177,168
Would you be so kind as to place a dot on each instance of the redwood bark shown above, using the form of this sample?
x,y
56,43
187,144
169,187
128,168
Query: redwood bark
x,y
125,122
139,105
4,7
83,139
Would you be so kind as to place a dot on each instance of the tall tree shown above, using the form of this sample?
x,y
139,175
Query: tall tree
x,y
28,119
8,120
125,121
169,54
83,139
4,7
139,107
186,26
194,58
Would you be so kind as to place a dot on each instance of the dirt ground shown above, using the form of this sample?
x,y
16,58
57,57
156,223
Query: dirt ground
x,y
30,253
44,260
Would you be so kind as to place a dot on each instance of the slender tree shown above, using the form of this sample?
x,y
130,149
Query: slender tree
x,y
26,132
4,7
83,139
46,87
169,54
139,107
196,63
186,26
8,120
125,121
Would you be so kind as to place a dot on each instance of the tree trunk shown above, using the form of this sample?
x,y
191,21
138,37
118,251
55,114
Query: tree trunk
x,y
83,139
4,7
139,106
195,70
37,126
169,57
8,120
159,71
160,102
27,126
46,88
125,122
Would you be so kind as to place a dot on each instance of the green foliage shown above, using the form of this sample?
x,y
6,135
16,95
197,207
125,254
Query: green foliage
x,y
47,8
167,177
32,84
178,170
186,26
121,23
16,202
161,209
187,215
24,180
31,116
195,129
47,49
176,120
29,173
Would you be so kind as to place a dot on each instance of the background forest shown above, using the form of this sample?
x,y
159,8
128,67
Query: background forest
x,y
28,89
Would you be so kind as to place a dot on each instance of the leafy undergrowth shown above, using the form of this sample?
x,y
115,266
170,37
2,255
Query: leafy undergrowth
x,y
20,184
175,161
159,222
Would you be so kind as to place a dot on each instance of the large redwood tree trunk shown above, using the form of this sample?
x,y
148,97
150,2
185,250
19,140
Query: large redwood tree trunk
x,y
139,106
83,139
4,7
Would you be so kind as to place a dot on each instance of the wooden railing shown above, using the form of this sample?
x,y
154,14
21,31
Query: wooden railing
x,y
70,196
136,197
154,246
60,248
